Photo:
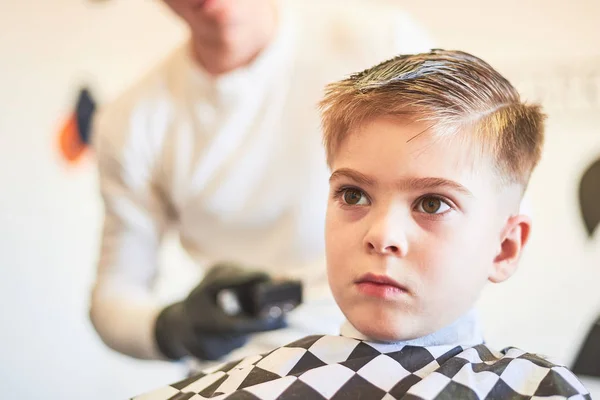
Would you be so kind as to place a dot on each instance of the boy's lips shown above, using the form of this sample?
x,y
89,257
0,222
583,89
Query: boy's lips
x,y
381,286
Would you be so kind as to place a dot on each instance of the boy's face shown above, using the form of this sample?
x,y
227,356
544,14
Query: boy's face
x,y
415,229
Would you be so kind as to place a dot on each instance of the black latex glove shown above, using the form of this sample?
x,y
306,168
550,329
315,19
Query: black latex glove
x,y
197,326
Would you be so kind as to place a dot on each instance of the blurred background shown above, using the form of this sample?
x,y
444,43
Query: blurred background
x,y
50,211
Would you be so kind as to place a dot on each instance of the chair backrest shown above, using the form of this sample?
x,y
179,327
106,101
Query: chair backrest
x,y
589,197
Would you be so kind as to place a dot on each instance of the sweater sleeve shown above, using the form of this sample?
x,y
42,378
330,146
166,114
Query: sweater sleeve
x,y
123,309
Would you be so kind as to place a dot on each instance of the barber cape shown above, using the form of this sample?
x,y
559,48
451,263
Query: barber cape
x,y
351,367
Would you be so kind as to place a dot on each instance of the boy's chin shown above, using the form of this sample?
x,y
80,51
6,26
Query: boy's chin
x,y
385,329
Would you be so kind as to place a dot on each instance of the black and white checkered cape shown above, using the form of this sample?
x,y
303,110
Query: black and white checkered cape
x,y
338,367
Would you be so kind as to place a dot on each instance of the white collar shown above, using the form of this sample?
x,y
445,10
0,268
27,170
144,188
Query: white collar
x,y
465,331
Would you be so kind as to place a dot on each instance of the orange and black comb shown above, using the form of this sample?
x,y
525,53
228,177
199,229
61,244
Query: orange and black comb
x,y
75,135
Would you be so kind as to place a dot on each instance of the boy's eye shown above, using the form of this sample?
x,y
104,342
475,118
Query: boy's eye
x,y
355,197
432,205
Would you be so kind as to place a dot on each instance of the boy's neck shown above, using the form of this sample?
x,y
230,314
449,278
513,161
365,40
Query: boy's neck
x,y
465,331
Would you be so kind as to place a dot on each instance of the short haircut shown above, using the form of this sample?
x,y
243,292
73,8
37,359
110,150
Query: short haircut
x,y
450,90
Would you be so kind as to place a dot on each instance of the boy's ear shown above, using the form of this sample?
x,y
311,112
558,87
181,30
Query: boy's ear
x,y
514,237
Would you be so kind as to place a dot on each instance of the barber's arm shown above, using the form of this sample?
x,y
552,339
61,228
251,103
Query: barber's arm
x,y
123,310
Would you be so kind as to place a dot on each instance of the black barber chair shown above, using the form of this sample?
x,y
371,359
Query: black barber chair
x,y
588,359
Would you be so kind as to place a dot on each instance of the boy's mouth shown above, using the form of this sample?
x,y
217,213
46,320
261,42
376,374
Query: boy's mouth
x,y
381,286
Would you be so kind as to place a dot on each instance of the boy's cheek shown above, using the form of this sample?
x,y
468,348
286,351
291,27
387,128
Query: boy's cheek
x,y
342,240
455,272
336,223
334,238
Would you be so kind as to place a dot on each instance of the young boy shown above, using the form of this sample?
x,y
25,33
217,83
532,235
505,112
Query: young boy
x,y
430,155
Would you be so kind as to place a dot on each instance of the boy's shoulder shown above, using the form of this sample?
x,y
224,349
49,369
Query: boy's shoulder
x,y
337,367
510,374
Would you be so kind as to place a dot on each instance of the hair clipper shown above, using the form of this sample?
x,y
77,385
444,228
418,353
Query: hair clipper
x,y
271,299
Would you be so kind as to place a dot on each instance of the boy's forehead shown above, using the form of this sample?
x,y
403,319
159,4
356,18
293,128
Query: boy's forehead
x,y
391,148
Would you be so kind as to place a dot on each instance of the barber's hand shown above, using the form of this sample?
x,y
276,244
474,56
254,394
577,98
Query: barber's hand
x,y
198,326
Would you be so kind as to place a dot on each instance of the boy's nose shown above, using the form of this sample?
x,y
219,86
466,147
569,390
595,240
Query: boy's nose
x,y
387,237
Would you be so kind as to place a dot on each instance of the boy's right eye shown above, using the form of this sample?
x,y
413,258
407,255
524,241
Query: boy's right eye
x,y
354,197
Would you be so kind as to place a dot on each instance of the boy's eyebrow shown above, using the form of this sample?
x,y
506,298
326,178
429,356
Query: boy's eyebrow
x,y
352,174
432,183
404,184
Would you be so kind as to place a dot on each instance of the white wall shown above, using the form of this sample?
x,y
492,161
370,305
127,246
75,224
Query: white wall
x,y
50,212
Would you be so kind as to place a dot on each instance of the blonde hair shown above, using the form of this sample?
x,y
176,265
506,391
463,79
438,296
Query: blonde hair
x,y
451,90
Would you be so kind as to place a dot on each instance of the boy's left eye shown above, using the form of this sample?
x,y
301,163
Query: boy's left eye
x,y
432,205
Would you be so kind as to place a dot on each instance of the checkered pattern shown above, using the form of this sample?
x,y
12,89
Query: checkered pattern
x,y
337,367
